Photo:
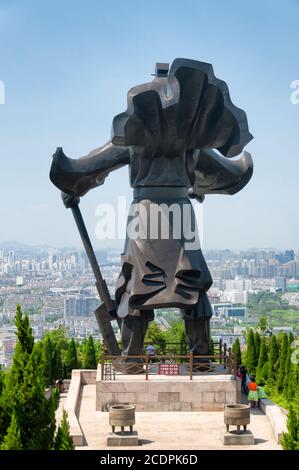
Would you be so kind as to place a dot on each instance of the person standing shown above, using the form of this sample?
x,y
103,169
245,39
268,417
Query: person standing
x,y
252,393
151,351
243,371
261,391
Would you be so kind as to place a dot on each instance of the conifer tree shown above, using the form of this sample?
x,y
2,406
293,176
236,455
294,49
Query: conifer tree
x,y
89,358
290,439
36,413
63,440
14,378
237,350
250,353
262,360
24,332
12,440
257,345
156,336
71,358
263,324
24,393
273,358
2,375
57,367
282,362
293,383
287,373
48,358
211,346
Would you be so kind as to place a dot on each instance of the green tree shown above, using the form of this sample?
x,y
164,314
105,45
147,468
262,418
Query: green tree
x,y
57,366
282,362
250,353
263,324
48,358
24,393
290,439
71,358
36,413
211,346
287,373
273,358
59,348
174,339
257,345
89,358
14,378
63,440
2,376
156,336
237,350
24,332
12,440
293,382
263,359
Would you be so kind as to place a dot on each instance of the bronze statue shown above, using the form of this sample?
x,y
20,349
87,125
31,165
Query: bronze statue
x,y
168,136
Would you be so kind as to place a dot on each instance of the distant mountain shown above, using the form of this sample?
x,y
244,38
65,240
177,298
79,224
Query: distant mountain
x,y
15,246
22,248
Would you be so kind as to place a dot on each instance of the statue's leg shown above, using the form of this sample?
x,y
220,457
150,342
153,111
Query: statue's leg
x,y
198,334
133,332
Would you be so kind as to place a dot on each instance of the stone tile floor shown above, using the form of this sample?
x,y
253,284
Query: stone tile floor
x,y
169,430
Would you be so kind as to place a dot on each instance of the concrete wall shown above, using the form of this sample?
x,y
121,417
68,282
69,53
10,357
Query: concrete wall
x,y
277,418
204,393
79,378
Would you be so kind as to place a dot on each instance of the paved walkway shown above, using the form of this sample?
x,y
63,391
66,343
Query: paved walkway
x,y
169,430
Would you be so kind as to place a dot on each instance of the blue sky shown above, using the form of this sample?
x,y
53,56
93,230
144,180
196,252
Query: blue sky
x,y
67,66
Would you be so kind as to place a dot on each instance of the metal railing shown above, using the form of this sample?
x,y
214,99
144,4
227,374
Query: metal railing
x,y
181,365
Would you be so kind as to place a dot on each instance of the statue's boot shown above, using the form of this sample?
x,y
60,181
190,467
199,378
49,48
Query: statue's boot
x,y
133,331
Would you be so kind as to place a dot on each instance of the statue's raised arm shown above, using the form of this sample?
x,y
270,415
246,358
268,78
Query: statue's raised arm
x,y
76,177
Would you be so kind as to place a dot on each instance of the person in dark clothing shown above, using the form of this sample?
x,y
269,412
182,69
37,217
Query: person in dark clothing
x,y
243,371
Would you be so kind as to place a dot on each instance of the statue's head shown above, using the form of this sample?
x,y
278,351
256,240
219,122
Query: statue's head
x,y
161,69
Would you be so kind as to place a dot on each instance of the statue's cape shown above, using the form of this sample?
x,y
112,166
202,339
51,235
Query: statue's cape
x,y
215,174
190,109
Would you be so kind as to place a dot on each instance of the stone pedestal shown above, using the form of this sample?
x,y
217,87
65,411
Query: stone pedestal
x,y
168,393
126,439
234,439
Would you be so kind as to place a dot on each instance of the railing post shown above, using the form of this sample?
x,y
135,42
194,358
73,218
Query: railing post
x,y
146,366
102,366
191,365
234,357
224,354
230,359
220,350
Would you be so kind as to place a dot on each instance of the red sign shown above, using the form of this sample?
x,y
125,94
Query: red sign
x,y
169,369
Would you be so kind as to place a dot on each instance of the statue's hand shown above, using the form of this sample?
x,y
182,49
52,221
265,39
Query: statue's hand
x,y
69,201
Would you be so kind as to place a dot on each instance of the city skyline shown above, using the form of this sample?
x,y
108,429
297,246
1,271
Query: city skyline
x,y
16,245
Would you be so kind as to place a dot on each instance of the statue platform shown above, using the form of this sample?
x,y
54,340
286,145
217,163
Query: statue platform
x,y
205,392
199,430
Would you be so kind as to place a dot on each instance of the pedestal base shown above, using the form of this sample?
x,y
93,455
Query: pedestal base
x,y
233,438
168,393
126,439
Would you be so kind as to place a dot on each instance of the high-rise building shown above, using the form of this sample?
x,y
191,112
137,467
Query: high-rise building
x,y
11,259
79,306
280,283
